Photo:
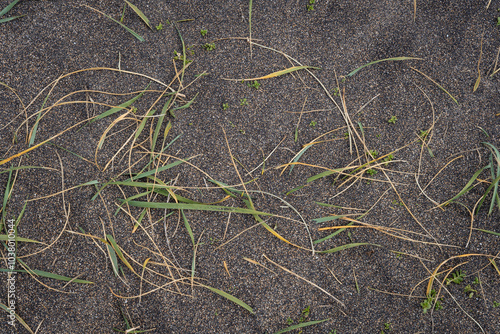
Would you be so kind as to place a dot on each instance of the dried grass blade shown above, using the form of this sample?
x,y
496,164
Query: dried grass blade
x,y
381,60
198,207
49,275
434,81
21,321
278,73
119,252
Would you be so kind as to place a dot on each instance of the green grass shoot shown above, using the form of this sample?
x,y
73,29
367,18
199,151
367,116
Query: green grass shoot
x,y
6,10
301,325
140,14
136,35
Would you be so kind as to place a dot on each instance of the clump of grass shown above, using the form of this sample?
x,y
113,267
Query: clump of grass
x,y
392,120
429,301
494,167
209,46
6,10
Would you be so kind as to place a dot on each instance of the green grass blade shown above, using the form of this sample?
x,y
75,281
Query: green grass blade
x,y
141,14
467,187
123,26
381,60
331,235
299,155
42,273
294,190
128,199
114,260
323,174
143,123
188,227
494,154
8,8
197,207
327,219
4,237
21,321
184,59
160,122
144,185
7,19
120,107
302,325
6,196
187,105
119,252
488,231
230,190
347,246
493,183
230,297
37,121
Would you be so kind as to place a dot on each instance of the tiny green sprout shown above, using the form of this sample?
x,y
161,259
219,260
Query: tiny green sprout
x,y
243,102
496,304
423,134
498,21
399,256
476,280
310,6
377,135
392,120
427,303
457,277
209,46
203,32
374,153
333,332
225,106
468,289
336,91
255,84
134,110
159,27
305,314
387,325
289,321
190,124
313,123
371,172
346,135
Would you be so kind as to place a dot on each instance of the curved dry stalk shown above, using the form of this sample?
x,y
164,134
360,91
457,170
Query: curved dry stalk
x,y
446,165
42,143
434,273
154,290
302,278
291,207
